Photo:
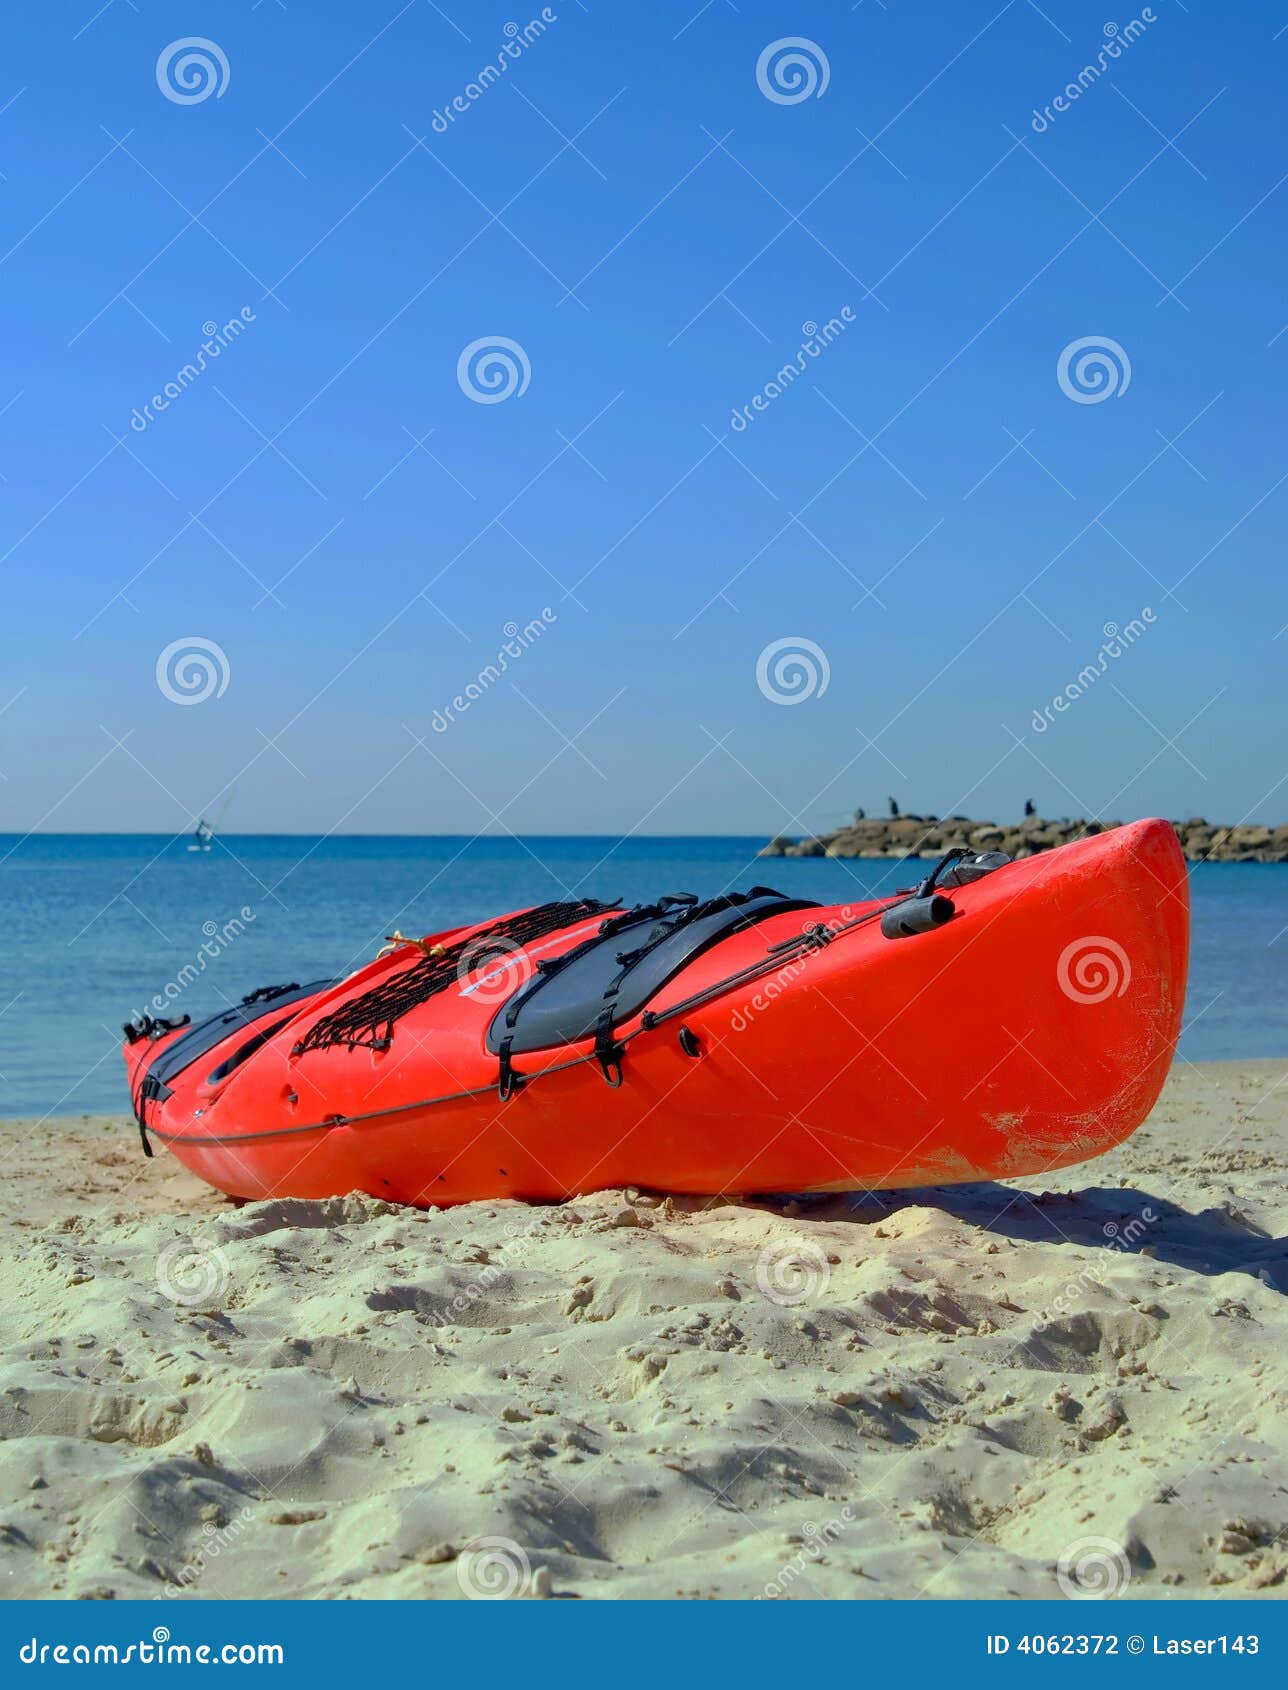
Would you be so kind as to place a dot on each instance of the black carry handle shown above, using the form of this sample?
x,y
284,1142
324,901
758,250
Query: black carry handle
x,y
917,915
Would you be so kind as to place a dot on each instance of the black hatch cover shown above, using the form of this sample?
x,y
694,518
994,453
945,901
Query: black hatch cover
x,y
566,999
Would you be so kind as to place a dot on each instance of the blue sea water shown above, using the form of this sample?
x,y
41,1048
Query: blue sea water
x,y
95,925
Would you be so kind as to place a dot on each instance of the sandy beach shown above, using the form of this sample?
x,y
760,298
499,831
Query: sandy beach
x,y
1074,1384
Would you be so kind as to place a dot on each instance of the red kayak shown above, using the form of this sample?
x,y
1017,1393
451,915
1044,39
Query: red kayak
x,y
997,1019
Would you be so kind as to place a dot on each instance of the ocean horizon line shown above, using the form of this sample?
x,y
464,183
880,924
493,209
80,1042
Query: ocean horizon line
x,y
186,833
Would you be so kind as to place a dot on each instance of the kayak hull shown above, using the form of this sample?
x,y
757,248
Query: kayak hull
x,y
1032,1031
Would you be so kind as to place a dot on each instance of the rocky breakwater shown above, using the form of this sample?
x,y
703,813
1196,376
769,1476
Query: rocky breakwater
x,y
931,836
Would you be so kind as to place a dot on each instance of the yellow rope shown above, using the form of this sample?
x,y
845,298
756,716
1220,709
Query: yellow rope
x,y
394,939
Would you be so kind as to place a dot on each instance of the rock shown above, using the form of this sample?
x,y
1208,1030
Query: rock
x,y
1063,1405
1108,1419
900,830
914,836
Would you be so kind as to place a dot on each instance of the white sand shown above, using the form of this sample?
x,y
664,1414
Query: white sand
x,y
976,1381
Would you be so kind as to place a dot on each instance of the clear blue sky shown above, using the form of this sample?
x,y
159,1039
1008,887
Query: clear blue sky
x,y
925,502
